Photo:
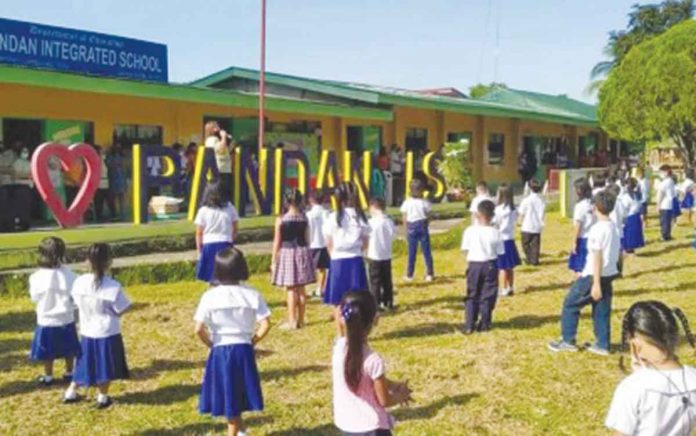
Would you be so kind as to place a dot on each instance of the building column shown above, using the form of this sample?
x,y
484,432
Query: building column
x,y
478,148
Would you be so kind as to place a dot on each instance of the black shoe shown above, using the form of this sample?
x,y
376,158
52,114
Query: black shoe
x,y
44,381
465,331
67,378
105,404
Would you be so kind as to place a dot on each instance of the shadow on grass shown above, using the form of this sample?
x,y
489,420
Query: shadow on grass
x,y
429,411
420,330
274,374
448,299
688,286
663,269
527,322
18,387
320,430
18,321
161,365
10,345
162,396
665,249
203,427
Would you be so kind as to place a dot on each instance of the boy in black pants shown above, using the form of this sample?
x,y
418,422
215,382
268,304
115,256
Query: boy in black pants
x,y
379,254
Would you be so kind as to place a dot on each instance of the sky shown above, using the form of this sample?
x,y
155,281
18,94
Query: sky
x,y
547,46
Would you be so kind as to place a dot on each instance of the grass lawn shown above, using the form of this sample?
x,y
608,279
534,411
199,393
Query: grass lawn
x,y
125,231
502,382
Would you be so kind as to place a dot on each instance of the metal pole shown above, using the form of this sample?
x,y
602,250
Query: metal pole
x,y
262,76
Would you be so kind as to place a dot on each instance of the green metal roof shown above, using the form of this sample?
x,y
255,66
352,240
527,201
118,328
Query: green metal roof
x,y
541,102
182,92
575,113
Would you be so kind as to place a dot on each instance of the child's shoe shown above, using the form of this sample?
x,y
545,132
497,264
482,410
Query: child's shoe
x,y
70,396
103,401
45,380
408,279
596,349
429,278
561,346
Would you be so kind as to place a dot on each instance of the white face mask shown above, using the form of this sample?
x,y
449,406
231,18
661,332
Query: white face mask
x,y
24,155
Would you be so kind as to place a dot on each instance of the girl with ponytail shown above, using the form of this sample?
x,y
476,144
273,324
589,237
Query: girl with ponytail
x,y
361,390
659,397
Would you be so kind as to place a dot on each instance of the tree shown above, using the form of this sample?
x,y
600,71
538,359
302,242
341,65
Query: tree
x,y
651,94
479,90
644,22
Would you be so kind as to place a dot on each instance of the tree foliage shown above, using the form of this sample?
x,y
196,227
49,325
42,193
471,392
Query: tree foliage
x,y
480,89
651,95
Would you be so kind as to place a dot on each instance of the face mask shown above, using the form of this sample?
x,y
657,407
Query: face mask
x,y
24,155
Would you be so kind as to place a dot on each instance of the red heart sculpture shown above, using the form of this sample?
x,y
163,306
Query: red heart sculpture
x,y
71,216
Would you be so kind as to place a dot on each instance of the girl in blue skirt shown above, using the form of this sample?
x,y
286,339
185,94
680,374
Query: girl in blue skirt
x,y
55,336
676,205
100,302
226,320
347,234
686,189
216,229
583,218
633,237
504,219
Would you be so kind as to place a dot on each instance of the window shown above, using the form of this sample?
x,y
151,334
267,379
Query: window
x,y
129,134
416,139
496,148
588,144
362,138
464,137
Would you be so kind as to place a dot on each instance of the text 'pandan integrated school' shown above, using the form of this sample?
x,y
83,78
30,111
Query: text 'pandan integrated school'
x,y
70,86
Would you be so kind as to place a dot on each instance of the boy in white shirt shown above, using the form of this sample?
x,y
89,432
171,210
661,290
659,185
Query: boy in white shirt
x,y
316,216
594,286
379,254
482,193
483,244
531,213
416,218
644,186
666,192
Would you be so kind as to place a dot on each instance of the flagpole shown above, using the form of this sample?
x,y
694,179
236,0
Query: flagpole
x,y
262,76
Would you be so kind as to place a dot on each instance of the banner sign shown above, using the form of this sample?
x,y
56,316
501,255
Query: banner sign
x,y
75,51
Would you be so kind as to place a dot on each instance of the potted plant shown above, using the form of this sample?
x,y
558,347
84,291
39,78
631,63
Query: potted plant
x,y
455,168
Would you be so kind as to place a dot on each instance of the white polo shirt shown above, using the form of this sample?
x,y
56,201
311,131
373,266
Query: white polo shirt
x,y
415,209
347,238
99,308
668,192
505,219
482,243
644,185
583,215
618,215
604,237
50,289
649,402
532,209
382,232
223,159
216,223
231,313
316,216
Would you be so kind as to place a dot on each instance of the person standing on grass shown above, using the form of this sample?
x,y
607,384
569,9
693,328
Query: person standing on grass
x,y
361,390
531,212
676,205
504,219
644,188
594,286
55,336
482,193
226,322
659,397
317,216
216,229
100,302
346,232
379,254
633,229
291,261
666,193
483,244
686,189
416,217
220,142
583,218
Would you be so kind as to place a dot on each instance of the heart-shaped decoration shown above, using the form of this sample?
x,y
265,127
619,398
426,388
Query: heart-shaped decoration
x,y
68,156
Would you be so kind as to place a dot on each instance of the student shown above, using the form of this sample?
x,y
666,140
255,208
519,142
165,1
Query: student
x,y
676,205
379,254
599,182
361,390
482,193
659,397
594,286
346,233
100,302
483,244
416,215
55,336
633,229
686,189
316,216
291,259
618,215
583,218
531,213
665,201
644,187
226,322
216,229
504,219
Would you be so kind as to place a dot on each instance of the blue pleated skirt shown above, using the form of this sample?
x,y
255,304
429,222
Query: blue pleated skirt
x,y
576,261
231,382
206,261
345,275
633,233
55,342
676,210
688,201
511,258
102,360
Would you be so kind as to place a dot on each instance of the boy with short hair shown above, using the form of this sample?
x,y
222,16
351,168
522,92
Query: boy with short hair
x,y
482,193
594,286
379,254
483,244
531,212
